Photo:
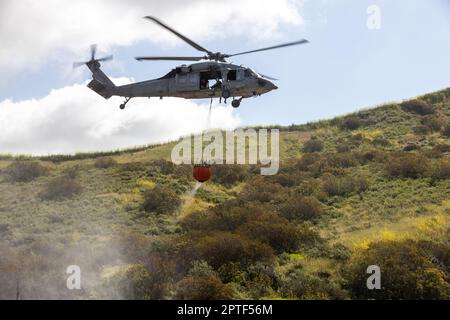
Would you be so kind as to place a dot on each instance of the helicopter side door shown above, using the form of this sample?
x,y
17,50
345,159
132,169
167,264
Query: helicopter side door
x,y
188,81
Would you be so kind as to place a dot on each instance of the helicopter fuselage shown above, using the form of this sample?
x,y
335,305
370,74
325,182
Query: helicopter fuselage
x,y
200,81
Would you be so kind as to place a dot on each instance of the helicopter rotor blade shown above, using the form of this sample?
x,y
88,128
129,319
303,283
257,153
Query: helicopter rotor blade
x,y
93,51
267,77
107,58
78,64
169,58
303,41
179,35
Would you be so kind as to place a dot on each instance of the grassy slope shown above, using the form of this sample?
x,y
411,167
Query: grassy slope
x,y
111,198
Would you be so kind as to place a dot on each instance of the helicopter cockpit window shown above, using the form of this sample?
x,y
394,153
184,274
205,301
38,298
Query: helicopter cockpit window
x,y
249,73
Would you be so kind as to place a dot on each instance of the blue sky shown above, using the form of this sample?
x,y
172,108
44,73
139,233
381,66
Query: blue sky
x,y
346,66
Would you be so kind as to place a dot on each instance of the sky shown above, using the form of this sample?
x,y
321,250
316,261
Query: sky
x,y
361,53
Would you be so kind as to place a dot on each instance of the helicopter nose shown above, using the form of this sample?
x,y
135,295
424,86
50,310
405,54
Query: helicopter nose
x,y
272,86
267,84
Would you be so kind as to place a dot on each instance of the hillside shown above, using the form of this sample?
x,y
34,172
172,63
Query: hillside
x,y
366,188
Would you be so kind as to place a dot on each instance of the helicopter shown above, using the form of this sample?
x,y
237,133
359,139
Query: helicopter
x,y
212,78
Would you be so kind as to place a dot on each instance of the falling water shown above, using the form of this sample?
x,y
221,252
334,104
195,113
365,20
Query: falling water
x,y
208,120
195,189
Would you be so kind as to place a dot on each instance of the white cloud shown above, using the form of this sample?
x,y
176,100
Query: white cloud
x,y
75,119
32,31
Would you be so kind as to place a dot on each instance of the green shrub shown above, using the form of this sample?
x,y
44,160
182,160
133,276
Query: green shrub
x,y
260,278
263,190
202,288
184,171
374,155
422,130
161,199
166,167
442,148
229,175
308,237
285,179
408,271
341,186
232,272
440,170
24,171
202,269
310,187
218,248
302,285
406,165
342,160
356,139
72,172
434,122
381,142
135,282
446,131
312,145
227,216
343,148
105,163
307,160
417,106
61,188
272,230
410,147
351,123
339,252
301,208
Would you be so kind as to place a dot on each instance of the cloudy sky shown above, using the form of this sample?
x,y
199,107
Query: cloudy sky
x,y
46,108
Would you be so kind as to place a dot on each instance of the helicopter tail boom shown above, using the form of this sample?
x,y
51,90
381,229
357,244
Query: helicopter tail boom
x,y
100,83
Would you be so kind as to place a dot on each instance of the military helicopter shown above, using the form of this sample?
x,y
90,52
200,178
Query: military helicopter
x,y
213,78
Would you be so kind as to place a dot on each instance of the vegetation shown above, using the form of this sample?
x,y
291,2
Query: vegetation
x,y
25,171
411,270
369,188
407,165
301,208
418,106
61,188
105,162
161,200
351,123
313,145
229,175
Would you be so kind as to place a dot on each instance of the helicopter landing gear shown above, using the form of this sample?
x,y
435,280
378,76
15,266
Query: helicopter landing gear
x,y
122,106
236,103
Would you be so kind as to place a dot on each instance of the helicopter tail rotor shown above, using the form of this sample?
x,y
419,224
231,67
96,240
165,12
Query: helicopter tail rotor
x,y
93,61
